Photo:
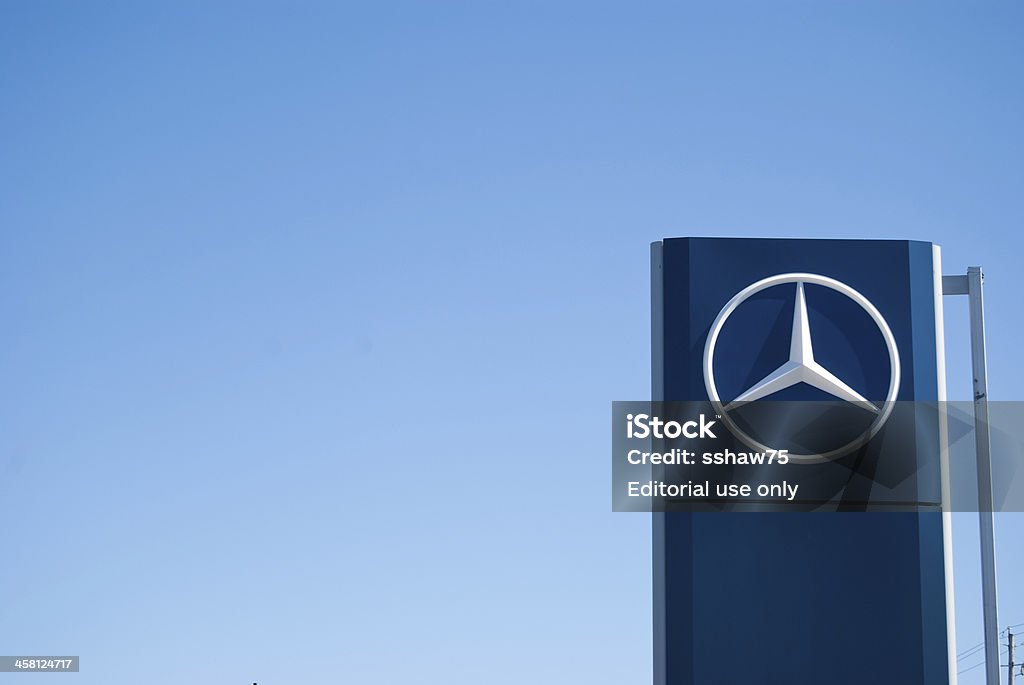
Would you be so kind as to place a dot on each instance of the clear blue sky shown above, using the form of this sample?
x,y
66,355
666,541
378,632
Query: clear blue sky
x,y
312,313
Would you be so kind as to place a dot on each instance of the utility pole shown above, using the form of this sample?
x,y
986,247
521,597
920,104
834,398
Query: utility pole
x,y
1009,638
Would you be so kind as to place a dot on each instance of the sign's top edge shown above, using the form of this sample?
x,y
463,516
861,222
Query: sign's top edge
x,y
890,241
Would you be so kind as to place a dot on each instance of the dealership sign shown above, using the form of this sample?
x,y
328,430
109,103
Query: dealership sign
x,y
741,326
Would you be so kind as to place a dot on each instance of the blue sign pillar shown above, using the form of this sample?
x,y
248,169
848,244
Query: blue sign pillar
x,y
800,598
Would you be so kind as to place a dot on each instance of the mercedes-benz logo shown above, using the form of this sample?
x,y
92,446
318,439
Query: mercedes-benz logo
x,y
801,366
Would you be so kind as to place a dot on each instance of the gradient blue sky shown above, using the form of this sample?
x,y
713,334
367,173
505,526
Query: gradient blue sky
x,y
312,313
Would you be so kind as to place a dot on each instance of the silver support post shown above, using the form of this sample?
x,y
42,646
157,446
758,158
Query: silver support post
x,y
984,457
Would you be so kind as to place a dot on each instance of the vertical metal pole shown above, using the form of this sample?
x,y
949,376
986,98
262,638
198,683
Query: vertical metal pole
x,y
984,451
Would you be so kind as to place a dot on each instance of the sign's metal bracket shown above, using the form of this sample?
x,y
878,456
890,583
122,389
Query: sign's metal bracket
x,y
954,285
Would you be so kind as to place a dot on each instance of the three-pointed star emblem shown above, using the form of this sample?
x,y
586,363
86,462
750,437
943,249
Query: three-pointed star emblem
x,y
801,366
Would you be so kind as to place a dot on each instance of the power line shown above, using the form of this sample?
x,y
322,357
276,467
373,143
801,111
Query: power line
x,y
980,663
970,651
